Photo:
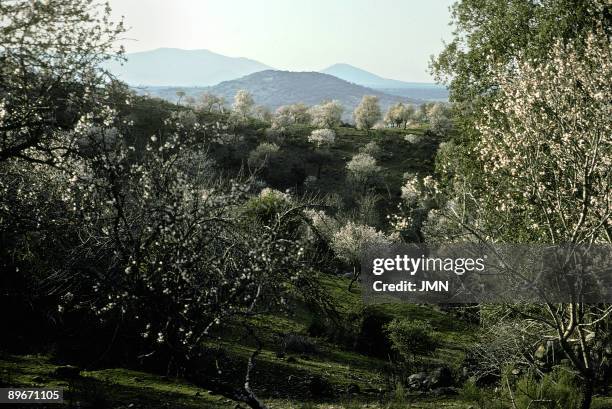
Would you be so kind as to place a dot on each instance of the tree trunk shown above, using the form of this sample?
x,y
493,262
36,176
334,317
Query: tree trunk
x,y
587,392
355,277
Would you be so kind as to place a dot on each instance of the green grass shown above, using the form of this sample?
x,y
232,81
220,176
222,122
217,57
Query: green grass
x,y
108,388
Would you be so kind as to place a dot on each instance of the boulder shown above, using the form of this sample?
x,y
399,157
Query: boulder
x,y
416,381
440,378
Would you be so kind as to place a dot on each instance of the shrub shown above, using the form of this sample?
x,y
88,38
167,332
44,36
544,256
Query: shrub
x,y
481,397
372,149
299,344
558,389
363,169
265,207
372,339
413,139
411,338
261,155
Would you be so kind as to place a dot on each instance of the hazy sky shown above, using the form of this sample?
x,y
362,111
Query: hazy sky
x,y
392,38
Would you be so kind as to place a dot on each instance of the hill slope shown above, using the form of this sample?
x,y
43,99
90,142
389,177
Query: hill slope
x,y
176,67
276,88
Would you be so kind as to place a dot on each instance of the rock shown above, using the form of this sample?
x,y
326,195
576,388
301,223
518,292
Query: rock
x,y
416,381
440,378
67,372
353,389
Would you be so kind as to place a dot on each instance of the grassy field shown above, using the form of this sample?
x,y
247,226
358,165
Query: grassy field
x,y
278,379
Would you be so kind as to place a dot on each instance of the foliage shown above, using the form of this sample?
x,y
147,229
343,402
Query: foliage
x,y
50,72
211,103
243,103
439,117
322,137
372,149
261,155
327,115
546,144
293,114
367,112
351,240
411,338
399,114
363,168
496,32
299,344
557,390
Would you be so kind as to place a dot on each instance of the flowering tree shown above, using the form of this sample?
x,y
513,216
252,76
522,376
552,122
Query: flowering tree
x,y
293,114
263,113
322,139
439,117
327,114
50,71
399,114
211,103
350,242
363,169
243,103
367,112
546,155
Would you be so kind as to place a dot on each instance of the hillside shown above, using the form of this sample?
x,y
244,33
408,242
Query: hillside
x,y
176,67
275,88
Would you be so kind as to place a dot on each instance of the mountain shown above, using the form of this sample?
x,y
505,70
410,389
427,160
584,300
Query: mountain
x,y
275,88
176,67
417,90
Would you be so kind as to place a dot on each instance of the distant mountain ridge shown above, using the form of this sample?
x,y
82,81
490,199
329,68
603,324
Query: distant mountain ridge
x,y
272,89
159,71
185,68
416,90
359,76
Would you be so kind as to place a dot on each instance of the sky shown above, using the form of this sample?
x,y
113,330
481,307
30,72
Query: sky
x,y
391,38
